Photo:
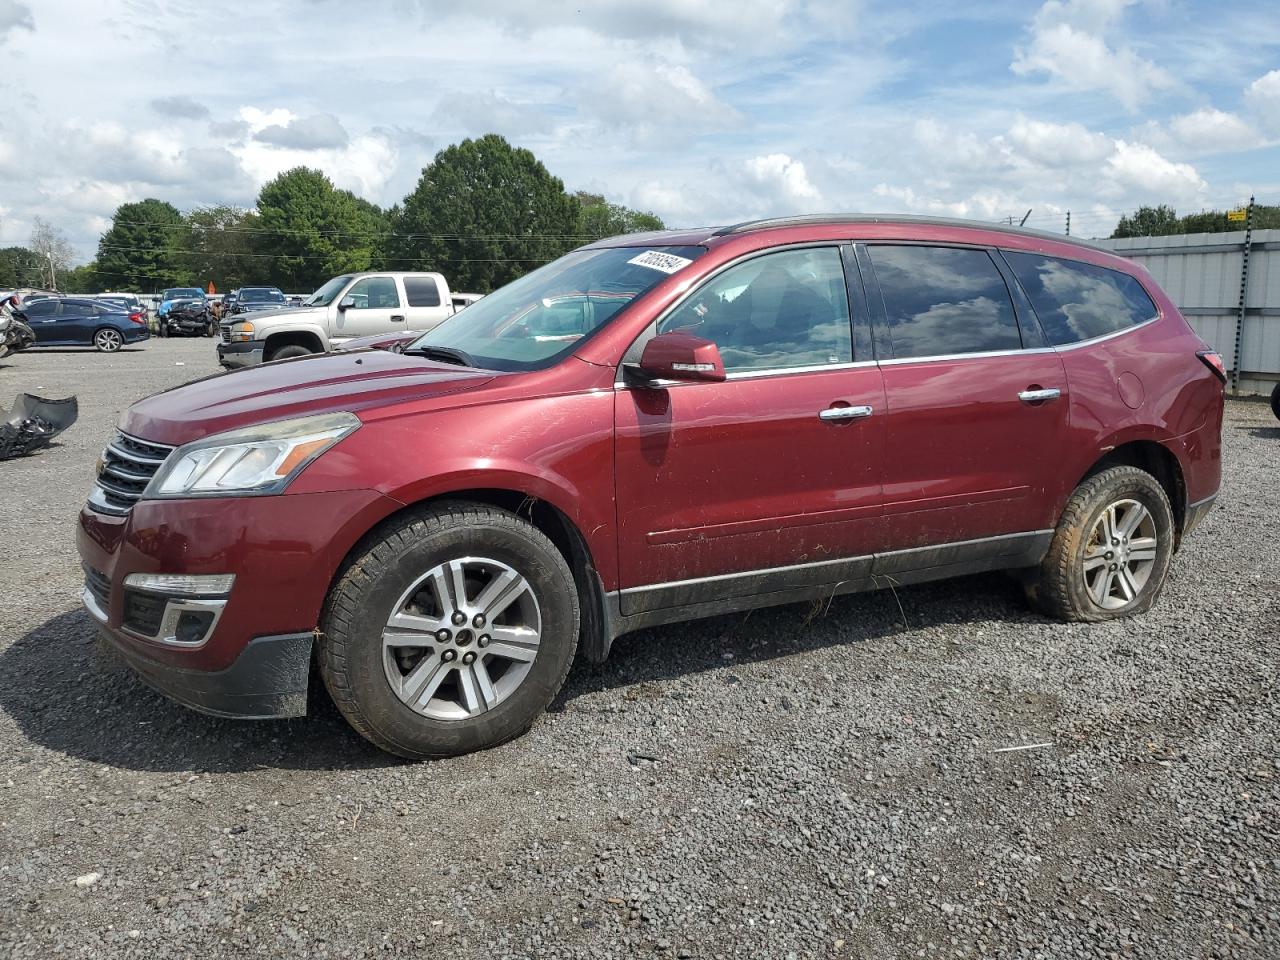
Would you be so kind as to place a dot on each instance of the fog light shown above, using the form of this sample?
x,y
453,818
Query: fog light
x,y
182,584
192,626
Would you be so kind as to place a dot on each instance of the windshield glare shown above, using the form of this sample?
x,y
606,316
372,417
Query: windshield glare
x,y
181,292
534,321
326,294
262,296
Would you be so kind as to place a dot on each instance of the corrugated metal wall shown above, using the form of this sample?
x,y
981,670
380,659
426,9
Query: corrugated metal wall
x,y
1201,274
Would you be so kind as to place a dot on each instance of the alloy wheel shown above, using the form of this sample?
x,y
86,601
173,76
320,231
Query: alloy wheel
x,y
108,341
1120,554
462,638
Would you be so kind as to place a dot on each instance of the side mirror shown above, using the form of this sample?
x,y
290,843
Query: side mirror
x,y
347,302
681,356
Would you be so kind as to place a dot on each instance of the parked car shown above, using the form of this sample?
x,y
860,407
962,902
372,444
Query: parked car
x,y
185,312
254,299
645,431
82,321
352,305
129,301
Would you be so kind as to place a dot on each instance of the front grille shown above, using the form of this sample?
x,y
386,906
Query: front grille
x,y
100,586
127,466
226,333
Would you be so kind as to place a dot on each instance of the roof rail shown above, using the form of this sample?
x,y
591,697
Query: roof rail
x,y
817,219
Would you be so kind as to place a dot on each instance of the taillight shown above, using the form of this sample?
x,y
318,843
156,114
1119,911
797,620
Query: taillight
x,y
137,317
1213,361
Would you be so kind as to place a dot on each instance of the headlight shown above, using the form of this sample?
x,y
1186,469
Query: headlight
x,y
242,331
256,460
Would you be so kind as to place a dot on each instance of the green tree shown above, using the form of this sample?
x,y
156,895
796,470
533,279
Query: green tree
x,y
312,231
143,248
483,213
600,218
1148,222
81,279
19,267
220,249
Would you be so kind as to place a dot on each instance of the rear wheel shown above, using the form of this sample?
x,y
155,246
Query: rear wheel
x,y
1275,401
451,633
108,340
1111,551
286,352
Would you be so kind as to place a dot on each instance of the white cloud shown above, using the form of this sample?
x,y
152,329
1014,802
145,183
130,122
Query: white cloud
x,y
180,108
1263,99
1209,130
1067,43
14,16
319,132
362,166
1136,170
652,99
780,182
1058,144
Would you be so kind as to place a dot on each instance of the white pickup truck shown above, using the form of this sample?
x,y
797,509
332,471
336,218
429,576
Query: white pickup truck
x,y
352,305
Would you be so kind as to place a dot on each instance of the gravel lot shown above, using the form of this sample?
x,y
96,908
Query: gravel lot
x,y
780,784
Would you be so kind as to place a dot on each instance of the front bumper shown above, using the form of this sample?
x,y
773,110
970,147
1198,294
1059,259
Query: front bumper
x,y
245,353
284,551
267,681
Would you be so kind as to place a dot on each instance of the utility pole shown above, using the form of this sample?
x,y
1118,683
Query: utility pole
x,y
1244,295
53,275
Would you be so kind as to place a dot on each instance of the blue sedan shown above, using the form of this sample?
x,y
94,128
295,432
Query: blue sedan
x,y
72,322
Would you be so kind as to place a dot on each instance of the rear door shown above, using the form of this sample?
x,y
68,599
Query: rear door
x,y
769,480
977,402
425,306
377,307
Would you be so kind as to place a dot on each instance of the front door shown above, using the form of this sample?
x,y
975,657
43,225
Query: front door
x,y
375,307
776,467
977,403
42,317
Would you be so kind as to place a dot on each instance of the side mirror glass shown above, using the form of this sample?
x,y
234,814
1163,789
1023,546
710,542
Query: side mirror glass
x,y
347,302
681,356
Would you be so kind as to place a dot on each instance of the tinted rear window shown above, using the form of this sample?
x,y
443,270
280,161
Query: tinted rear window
x,y
944,300
1078,301
422,292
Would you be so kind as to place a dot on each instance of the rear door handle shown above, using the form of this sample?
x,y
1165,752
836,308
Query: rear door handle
x,y
1039,396
397,317
844,413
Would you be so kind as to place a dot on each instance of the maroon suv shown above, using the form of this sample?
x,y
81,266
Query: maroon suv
x,y
650,429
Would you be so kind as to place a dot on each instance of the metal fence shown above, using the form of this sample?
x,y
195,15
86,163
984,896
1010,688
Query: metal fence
x,y
1227,285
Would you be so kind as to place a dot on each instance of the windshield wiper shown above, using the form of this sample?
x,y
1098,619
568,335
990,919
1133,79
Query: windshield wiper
x,y
444,355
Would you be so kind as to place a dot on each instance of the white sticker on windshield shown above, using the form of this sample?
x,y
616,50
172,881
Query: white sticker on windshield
x,y
657,260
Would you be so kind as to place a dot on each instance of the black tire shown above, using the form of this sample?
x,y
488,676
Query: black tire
x,y
1275,401
356,610
107,340
1059,588
288,351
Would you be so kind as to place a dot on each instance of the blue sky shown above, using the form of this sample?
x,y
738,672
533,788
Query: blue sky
x,y
702,112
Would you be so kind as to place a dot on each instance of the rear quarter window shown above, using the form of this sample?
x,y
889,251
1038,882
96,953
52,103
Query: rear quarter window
x,y
421,292
1079,301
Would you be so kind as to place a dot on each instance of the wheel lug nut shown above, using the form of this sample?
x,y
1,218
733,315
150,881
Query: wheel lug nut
x,y
459,618
483,641
449,655
479,620
1113,566
468,657
1110,554
443,635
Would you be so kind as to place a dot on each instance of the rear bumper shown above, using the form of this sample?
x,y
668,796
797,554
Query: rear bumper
x,y
243,354
268,680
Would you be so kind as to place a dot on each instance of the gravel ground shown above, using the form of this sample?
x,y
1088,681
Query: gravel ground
x,y
774,785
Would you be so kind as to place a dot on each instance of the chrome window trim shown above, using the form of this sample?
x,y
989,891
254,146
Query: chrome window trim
x,y
819,564
984,355
1108,336
747,375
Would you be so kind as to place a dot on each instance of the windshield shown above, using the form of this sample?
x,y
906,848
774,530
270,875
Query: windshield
x,y
179,293
326,294
542,316
262,295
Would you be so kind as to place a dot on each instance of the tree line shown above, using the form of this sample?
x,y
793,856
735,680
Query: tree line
x,y
483,213
1163,221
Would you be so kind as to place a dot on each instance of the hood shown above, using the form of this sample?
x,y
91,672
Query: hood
x,y
241,309
324,383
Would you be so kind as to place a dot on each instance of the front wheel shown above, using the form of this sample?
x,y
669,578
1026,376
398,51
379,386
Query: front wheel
x,y
1275,401
451,633
1111,551
108,340
289,352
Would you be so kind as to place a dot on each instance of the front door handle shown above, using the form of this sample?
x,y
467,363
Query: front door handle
x,y
844,413
397,318
1039,396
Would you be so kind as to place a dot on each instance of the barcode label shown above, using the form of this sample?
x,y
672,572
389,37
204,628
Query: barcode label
x,y
656,260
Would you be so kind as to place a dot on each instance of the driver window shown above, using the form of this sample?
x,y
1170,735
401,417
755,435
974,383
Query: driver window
x,y
784,309
374,293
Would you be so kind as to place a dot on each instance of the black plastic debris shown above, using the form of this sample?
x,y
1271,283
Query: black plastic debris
x,y
33,422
